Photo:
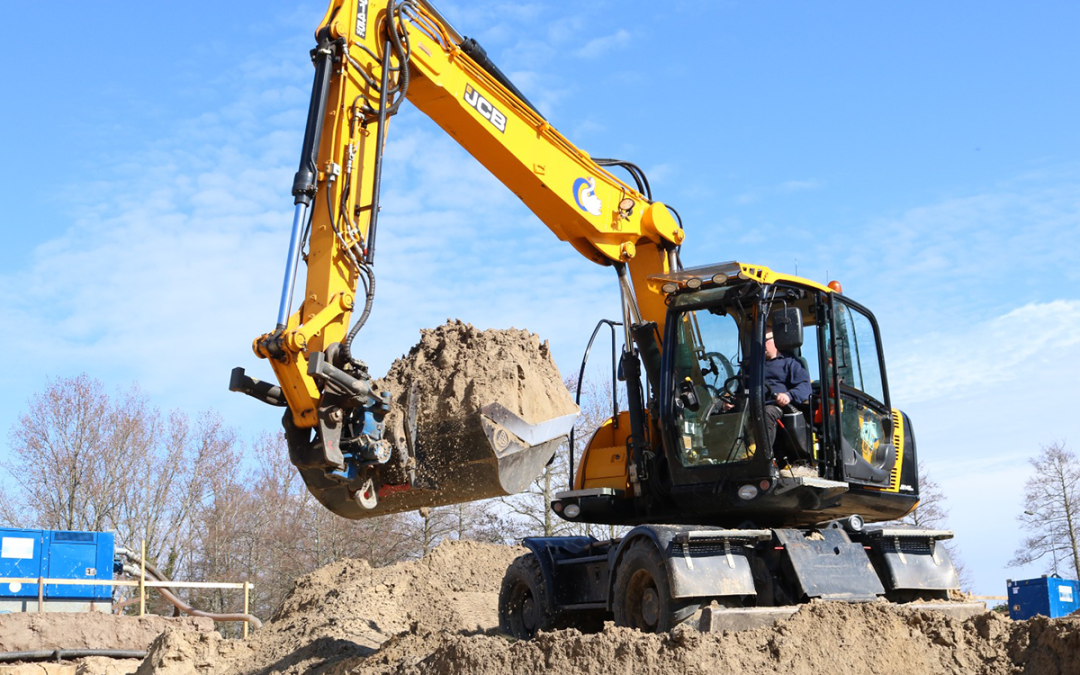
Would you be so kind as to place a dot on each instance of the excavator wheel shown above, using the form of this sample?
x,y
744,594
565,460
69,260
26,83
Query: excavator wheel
x,y
523,607
642,592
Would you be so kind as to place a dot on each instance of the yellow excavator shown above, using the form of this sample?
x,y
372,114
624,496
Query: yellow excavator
x,y
738,497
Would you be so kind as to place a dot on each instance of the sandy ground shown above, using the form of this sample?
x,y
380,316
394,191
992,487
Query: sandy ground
x,y
438,616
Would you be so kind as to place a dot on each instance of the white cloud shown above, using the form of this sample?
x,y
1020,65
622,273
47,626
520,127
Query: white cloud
x,y
173,263
983,398
799,185
602,45
1034,338
963,256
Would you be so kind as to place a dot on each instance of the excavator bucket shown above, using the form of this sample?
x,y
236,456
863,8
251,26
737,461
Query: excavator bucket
x,y
492,453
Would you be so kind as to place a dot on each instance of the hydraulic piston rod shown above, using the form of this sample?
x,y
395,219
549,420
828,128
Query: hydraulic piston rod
x,y
299,216
304,183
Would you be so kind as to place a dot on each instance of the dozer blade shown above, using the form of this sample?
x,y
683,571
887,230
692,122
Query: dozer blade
x,y
493,453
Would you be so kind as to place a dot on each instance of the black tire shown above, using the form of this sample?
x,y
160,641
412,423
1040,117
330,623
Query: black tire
x,y
523,605
642,592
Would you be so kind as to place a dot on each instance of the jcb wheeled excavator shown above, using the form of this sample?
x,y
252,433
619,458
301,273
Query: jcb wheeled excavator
x,y
719,513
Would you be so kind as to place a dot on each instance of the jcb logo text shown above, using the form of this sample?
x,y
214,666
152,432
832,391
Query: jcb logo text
x,y
484,107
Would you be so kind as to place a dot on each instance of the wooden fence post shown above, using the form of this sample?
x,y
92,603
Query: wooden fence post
x,y
247,585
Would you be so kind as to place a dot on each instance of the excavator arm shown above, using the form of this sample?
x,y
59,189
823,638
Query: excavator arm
x,y
371,57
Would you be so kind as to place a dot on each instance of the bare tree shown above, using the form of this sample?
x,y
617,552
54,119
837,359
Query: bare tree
x,y
481,521
282,500
1052,513
931,512
222,517
84,460
55,446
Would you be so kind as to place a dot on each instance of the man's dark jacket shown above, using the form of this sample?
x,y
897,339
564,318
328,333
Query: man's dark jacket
x,y
786,374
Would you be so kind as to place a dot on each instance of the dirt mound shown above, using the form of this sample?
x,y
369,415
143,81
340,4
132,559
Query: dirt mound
x,y
179,652
21,632
826,637
442,448
437,616
457,368
349,609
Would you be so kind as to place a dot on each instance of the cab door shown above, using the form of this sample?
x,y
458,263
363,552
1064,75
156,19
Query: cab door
x,y
857,396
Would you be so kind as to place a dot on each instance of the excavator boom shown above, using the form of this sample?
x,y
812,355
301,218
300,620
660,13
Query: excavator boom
x,y
370,58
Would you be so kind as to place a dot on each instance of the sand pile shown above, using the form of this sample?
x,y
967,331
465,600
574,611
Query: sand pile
x,y
821,638
456,368
33,632
441,446
22,632
444,451
347,610
437,616
443,611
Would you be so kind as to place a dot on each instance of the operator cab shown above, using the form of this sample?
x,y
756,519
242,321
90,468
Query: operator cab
x,y
841,451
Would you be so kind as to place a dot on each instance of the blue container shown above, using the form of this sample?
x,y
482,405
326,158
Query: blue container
x,y
56,554
1049,596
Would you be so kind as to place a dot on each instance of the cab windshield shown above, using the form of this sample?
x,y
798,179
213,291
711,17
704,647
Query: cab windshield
x,y
711,419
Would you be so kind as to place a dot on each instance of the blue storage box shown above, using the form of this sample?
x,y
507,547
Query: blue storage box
x,y
1049,596
55,554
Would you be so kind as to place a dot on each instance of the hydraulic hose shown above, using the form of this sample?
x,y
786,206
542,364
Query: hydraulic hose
x,y
581,378
251,619
634,170
369,298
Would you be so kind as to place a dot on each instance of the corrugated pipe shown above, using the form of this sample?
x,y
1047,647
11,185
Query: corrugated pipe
x,y
180,604
60,654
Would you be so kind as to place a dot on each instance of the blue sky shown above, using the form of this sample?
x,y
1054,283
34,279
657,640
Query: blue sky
x,y
925,154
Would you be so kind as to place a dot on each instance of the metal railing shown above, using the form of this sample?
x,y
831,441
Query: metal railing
x,y
142,583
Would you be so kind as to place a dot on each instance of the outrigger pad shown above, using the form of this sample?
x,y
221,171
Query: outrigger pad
x,y
828,565
913,558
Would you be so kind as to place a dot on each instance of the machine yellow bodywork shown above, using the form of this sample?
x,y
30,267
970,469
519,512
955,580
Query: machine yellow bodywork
x,y
370,59
602,217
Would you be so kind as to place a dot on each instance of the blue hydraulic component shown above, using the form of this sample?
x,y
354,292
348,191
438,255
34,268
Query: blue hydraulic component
x,y
1049,596
368,448
349,473
55,554
374,447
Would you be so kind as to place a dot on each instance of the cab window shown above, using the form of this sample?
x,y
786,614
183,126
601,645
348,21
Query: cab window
x,y
865,441
708,356
857,359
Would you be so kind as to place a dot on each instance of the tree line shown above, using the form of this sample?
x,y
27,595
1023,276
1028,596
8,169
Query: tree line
x,y
213,507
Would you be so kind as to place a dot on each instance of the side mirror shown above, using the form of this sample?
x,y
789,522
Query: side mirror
x,y
787,328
